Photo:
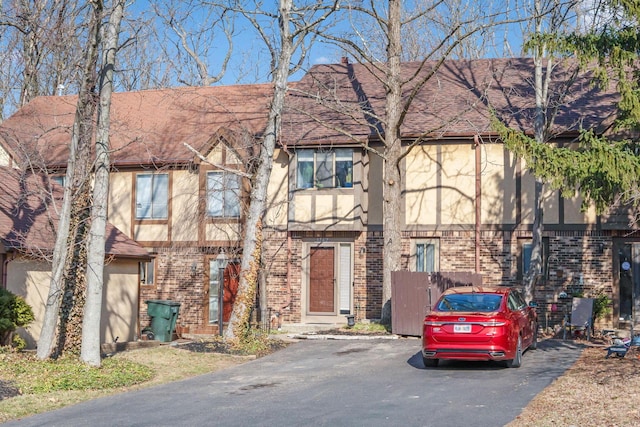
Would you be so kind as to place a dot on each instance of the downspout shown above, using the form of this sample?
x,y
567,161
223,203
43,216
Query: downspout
x,y
476,142
5,267
287,304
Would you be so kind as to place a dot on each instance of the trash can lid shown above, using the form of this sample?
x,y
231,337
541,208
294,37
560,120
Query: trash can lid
x,y
163,302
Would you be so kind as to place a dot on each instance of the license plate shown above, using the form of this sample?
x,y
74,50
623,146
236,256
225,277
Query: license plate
x,y
463,329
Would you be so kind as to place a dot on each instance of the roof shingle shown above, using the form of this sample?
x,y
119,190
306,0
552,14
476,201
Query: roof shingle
x,y
26,225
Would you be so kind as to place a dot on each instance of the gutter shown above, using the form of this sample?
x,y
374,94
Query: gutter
x,y
478,226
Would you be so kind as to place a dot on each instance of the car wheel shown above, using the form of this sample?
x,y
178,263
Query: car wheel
x,y
517,359
430,363
534,342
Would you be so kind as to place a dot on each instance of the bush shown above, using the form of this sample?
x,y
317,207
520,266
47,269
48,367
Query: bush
x,y
601,306
14,313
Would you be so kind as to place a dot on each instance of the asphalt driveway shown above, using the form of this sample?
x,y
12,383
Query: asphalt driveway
x,y
333,383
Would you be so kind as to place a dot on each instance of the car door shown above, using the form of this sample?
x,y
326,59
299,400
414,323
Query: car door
x,y
519,312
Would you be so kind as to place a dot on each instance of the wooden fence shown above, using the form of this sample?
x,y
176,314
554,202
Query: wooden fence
x,y
413,295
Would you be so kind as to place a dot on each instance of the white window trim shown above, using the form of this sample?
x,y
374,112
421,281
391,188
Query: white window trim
x,y
413,252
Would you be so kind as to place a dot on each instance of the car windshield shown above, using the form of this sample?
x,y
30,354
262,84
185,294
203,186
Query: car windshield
x,y
470,302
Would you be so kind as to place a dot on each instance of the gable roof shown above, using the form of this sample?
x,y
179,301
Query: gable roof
x,y
147,127
343,103
27,226
332,104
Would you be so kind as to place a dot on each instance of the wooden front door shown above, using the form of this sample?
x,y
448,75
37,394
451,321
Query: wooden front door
x,y
321,280
231,282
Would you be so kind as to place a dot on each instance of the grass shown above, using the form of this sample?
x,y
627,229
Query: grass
x,y
45,385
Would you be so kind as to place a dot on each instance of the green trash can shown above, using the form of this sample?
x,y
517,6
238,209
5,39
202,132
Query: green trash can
x,y
164,315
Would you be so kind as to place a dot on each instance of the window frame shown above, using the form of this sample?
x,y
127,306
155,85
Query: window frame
x,y
524,257
143,271
230,208
324,168
155,191
414,254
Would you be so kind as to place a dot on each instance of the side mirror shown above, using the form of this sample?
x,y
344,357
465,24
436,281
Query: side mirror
x,y
533,304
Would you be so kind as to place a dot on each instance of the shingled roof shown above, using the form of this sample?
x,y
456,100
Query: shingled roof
x,y
147,127
343,103
26,225
332,104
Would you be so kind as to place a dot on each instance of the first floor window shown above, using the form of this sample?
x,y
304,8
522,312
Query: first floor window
x,y
146,272
59,179
526,249
223,195
426,254
152,196
324,168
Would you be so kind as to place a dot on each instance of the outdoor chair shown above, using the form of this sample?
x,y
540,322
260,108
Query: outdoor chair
x,y
581,317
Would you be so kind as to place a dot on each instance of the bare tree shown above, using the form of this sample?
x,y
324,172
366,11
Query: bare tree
x,y
195,37
296,25
392,19
90,351
68,249
41,41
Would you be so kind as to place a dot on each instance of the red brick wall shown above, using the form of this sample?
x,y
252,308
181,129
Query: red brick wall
x,y
573,257
174,281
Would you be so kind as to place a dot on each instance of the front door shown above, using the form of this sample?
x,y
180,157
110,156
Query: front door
x,y
321,280
629,284
231,282
328,290
225,294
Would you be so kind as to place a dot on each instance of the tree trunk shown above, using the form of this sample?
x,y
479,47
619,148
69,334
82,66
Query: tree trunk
x,y
90,352
252,245
535,263
75,176
392,178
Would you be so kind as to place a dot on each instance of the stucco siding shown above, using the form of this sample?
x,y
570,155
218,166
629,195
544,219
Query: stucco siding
x,y
184,206
120,203
277,192
30,279
222,232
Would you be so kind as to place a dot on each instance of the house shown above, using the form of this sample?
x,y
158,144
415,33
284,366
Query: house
x,y
26,245
182,159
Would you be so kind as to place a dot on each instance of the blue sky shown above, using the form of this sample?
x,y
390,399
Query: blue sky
x,y
250,60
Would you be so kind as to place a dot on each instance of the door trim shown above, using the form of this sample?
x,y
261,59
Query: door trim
x,y
336,317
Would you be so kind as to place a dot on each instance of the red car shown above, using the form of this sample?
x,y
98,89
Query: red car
x,y
479,323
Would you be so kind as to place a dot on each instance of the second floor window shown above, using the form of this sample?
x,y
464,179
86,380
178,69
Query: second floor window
x,y
152,196
325,168
223,195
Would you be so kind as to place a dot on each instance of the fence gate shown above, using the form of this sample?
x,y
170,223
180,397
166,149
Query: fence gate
x,y
413,295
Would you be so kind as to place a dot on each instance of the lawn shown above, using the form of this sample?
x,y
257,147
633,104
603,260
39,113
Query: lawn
x,y
29,386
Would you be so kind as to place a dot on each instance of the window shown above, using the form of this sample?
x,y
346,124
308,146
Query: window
x,y
325,168
516,301
524,261
470,302
223,195
147,272
152,196
59,179
426,254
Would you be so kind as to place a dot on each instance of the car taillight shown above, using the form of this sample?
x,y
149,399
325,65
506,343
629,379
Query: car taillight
x,y
493,323
432,323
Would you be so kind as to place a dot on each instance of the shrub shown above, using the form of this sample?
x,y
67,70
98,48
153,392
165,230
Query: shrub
x,y
601,306
14,313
